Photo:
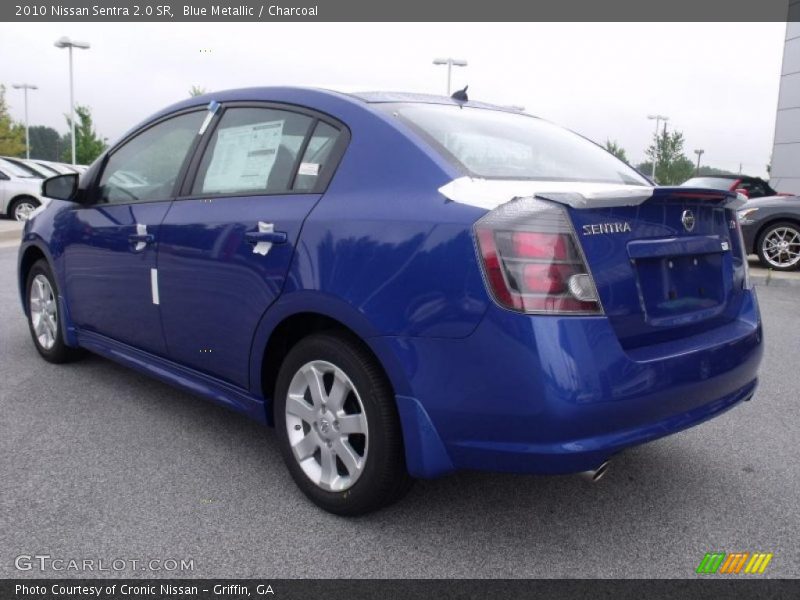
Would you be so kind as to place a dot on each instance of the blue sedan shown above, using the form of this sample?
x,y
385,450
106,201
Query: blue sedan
x,y
402,285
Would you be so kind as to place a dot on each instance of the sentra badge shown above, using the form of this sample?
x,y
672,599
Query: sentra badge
x,y
598,228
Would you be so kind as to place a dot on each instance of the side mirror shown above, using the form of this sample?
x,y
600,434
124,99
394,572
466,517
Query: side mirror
x,y
61,187
743,192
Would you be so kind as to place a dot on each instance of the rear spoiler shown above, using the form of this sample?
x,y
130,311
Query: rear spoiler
x,y
491,193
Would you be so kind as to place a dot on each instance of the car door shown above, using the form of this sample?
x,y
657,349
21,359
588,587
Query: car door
x,y
226,244
110,245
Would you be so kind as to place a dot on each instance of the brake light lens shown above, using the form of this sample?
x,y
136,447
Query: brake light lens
x,y
736,222
531,260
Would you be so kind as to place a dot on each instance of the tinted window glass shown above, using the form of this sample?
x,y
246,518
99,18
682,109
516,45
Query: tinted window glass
x,y
496,144
253,150
146,167
758,189
316,159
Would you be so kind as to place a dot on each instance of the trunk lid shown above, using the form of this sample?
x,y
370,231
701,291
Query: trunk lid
x,y
667,267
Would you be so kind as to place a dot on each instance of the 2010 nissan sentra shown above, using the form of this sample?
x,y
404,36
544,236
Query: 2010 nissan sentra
x,y
402,285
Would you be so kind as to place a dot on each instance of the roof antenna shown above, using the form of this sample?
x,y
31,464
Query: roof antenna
x,y
460,95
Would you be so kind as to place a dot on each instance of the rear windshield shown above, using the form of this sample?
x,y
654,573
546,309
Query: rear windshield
x,y
500,145
714,183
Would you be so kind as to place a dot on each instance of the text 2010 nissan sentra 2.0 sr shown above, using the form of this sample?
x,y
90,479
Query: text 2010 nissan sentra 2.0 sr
x,y
403,285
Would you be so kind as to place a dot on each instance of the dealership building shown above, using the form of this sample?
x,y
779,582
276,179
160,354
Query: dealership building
x,y
785,171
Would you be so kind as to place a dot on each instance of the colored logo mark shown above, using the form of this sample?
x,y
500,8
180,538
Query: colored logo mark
x,y
734,563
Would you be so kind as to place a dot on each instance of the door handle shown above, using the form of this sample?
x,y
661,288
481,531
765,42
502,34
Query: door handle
x,y
273,237
145,238
141,239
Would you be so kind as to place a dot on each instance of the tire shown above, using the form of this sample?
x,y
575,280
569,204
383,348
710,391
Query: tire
x,y
44,322
368,469
778,246
20,208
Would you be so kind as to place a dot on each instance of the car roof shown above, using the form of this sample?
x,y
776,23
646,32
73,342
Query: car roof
x,y
379,97
317,97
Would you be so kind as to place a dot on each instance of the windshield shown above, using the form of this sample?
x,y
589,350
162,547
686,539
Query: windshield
x,y
714,183
500,145
15,170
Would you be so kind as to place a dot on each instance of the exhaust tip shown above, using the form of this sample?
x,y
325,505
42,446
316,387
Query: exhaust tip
x,y
594,475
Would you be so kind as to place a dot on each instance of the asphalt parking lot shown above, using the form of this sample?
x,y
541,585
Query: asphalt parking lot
x,y
97,461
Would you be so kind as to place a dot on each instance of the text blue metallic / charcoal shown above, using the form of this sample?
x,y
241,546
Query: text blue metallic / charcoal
x,y
387,256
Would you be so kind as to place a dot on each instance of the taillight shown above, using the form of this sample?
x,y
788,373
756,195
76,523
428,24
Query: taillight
x,y
532,261
735,222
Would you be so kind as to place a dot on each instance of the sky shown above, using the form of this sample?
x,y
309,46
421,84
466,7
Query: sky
x,y
718,83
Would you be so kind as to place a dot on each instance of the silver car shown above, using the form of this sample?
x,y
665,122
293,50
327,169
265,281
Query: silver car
x,y
20,192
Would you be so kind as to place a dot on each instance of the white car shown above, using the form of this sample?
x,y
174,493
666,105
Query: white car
x,y
20,193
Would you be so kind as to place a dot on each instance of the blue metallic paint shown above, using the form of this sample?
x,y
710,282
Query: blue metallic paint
x,y
391,259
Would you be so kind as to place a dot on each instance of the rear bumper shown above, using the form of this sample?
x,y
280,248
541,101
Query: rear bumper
x,y
559,394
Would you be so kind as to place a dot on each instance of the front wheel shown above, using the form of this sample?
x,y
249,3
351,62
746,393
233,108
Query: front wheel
x,y
44,320
338,427
779,246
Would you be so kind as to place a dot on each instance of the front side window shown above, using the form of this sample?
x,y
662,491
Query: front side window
x,y
252,151
503,145
147,167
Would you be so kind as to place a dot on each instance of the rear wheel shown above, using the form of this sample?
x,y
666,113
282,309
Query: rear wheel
x,y
338,426
779,246
21,208
44,320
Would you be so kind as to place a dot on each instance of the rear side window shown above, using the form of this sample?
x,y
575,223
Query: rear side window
x,y
317,159
503,145
253,150
146,168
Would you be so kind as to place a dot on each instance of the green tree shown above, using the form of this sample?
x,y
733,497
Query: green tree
x,y
672,165
616,150
45,143
12,134
88,145
196,90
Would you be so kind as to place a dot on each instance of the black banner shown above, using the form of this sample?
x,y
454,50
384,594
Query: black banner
x,y
408,10
716,587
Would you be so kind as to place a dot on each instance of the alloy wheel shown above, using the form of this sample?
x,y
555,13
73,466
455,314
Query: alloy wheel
x,y
327,426
781,247
43,312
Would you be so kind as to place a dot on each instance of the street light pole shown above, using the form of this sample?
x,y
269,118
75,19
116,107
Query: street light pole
x,y
450,62
65,42
658,119
25,87
699,154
